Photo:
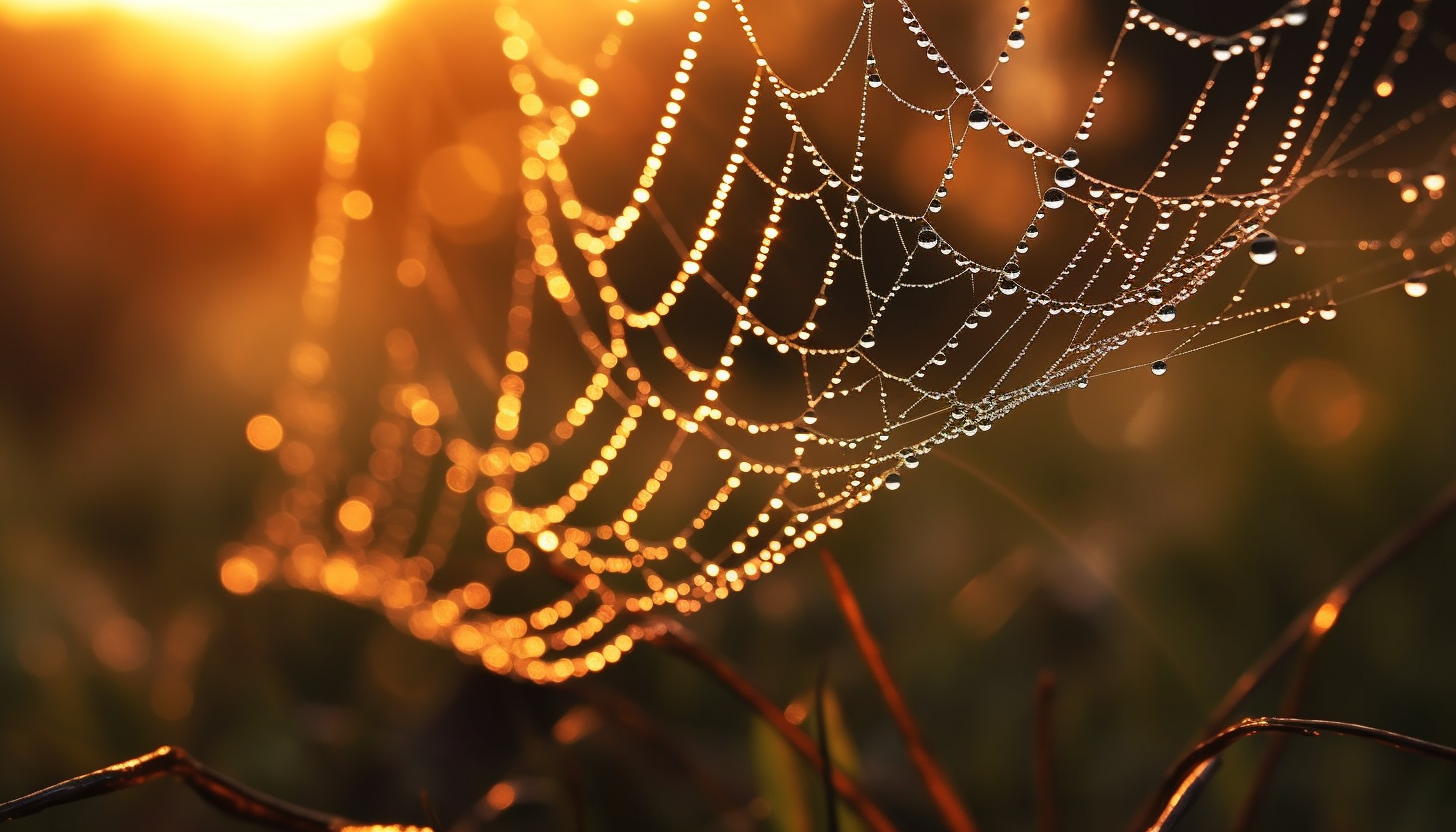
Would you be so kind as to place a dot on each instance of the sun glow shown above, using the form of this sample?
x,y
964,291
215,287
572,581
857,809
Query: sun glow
x,y
274,18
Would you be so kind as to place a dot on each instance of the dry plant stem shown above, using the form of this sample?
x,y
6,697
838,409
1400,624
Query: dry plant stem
x,y
1315,624
231,797
1302,629
683,644
1293,697
1044,771
952,810
636,720
826,772
1190,768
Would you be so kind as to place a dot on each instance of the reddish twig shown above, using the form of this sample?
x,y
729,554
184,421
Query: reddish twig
x,y
226,794
952,810
1192,767
722,672
1329,606
1309,631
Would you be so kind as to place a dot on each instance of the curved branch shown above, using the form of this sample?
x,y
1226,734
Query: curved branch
x,y
1195,764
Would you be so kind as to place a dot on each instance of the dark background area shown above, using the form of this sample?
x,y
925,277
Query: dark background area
x,y
1143,539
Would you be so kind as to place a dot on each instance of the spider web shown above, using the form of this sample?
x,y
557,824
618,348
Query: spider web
x,y
735,318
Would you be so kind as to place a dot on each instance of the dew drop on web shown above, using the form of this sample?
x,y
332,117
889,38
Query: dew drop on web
x,y
1264,248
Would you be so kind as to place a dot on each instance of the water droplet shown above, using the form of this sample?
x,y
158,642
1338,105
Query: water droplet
x,y
979,119
1296,16
892,481
1083,382
1264,248
1032,231
1065,177
874,79
809,417
1222,53
1071,159
927,238
1329,312
1007,286
984,310
852,195
1159,367
1416,287
793,474
1155,295
803,434
1167,313
867,341
1016,40
1054,198
934,206
1012,269
910,459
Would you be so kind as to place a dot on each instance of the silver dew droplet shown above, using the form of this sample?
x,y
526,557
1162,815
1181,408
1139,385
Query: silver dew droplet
x,y
809,417
1065,177
1071,159
1167,313
1264,248
927,238
979,119
1159,367
892,481
1054,198
1016,40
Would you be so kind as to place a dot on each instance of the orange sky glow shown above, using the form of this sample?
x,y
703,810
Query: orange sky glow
x,y
271,18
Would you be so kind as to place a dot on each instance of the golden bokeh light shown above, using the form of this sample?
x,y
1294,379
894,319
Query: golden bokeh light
x,y
356,55
460,185
358,205
1317,402
355,515
239,575
264,432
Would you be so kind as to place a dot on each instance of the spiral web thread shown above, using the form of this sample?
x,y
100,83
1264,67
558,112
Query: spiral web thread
x,y
782,345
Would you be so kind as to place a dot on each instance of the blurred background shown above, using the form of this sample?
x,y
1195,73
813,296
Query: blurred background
x,y
1142,539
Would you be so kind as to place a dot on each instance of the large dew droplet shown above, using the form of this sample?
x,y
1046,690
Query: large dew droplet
x,y
1054,198
1071,159
1264,248
1016,40
927,238
979,119
1065,177
1167,313
1159,367
892,481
